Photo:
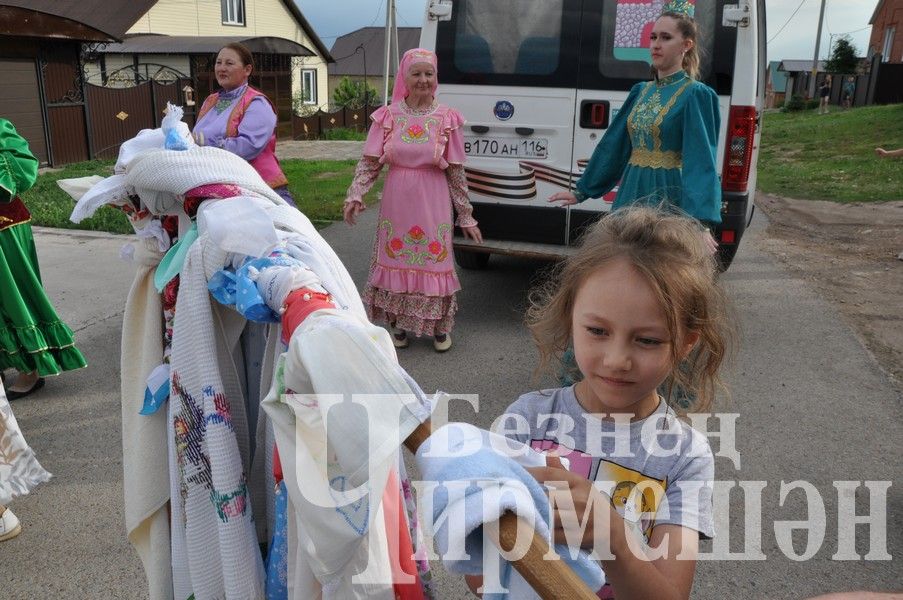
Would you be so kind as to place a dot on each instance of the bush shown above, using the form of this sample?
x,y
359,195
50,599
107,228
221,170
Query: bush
x,y
343,134
302,109
354,94
798,102
795,103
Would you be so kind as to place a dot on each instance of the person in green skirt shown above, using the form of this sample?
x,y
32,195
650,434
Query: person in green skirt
x,y
33,339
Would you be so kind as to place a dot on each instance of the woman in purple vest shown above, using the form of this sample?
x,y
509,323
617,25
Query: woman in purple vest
x,y
241,119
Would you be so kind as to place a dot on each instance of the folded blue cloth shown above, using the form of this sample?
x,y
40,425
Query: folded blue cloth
x,y
479,477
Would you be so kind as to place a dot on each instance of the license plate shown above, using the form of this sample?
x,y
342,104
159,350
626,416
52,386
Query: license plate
x,y
506,147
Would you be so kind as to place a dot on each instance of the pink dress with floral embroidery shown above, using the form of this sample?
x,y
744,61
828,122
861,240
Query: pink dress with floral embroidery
x,y
412,279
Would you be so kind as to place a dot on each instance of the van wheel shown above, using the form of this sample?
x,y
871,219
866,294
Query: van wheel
x,y
726,256
475,261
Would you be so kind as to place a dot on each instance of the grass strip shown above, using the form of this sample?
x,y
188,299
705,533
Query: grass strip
x,y
318,186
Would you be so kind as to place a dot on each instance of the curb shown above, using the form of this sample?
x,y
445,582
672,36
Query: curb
x,y
85,233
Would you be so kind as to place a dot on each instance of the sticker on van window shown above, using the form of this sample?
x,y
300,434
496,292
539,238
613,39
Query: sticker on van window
x,y
503,110
634,23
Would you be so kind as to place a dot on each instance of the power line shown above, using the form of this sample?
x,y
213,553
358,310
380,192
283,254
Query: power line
x,y
787,23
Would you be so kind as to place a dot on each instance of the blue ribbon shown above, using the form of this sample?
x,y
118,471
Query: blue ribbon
x,y
154,399
174,258
236,288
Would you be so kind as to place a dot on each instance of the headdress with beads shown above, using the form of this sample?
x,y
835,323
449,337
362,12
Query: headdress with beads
x,y
684,7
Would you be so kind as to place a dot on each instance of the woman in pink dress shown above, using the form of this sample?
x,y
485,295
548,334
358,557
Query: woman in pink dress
x,y
412,281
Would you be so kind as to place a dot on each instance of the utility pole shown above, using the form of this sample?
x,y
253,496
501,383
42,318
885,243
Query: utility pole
x,y
391,33
821,18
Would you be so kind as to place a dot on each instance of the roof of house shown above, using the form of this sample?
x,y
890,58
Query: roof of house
x,y
875,12
778,77
86,20
350,61
309,30
797,65
154,43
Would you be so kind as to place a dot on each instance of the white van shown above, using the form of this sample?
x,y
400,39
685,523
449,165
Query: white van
x,y
539,81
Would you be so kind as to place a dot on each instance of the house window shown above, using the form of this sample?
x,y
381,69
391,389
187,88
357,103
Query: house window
x,y
888,43
233,12
309,86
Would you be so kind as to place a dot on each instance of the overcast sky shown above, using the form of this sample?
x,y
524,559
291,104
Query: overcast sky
x,y
332,18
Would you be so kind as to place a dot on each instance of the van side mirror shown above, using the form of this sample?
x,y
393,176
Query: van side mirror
x,y
440,10
735,15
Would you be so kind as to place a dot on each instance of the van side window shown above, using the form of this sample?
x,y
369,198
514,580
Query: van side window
x,y
489,40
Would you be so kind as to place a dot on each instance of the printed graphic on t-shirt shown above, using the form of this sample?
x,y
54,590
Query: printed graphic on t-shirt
x,y
635,495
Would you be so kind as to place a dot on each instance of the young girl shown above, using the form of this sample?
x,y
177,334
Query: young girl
x,y
638,299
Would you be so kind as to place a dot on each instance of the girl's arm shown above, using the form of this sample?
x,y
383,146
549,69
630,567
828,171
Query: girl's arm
x,y
701,193
607,163
631,574
666,577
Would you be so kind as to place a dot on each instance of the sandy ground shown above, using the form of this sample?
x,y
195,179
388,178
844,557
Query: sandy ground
x,y
853,253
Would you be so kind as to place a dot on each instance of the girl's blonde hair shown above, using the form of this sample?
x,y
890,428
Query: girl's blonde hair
x,y
671,252
688,28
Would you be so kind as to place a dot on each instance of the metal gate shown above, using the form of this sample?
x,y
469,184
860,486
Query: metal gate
x,y
132,99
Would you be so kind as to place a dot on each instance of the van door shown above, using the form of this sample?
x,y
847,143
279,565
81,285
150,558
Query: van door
x,y
510,67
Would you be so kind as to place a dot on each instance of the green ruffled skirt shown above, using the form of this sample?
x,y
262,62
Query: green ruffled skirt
x,y
32,337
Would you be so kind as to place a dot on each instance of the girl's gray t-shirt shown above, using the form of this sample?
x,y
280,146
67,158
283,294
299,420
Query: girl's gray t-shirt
x,y
656,470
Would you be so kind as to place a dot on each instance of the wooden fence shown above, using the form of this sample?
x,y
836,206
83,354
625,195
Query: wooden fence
x,y
312,127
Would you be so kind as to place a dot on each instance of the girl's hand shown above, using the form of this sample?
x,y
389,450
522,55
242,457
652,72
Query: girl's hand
x,y
582,493
351,210
473,233
564,198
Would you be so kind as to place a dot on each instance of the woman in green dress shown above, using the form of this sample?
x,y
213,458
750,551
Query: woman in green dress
x,y
33,340
663,142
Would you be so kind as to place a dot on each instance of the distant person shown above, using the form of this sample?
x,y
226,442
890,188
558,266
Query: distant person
x,y
241,119
412,282
887,153
849,89
824,92
33,339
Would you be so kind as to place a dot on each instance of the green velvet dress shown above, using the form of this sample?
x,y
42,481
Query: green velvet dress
x,y
32,337
662,146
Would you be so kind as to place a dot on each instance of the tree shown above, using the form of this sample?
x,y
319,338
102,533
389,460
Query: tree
x,y
843,57
354,94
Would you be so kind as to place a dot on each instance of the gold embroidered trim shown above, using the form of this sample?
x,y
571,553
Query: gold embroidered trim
x,y
656,125
655,159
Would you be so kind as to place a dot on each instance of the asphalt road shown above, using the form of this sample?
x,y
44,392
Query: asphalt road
x,y
813,405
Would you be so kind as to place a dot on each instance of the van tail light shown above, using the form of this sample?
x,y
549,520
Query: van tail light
x,y
741,131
